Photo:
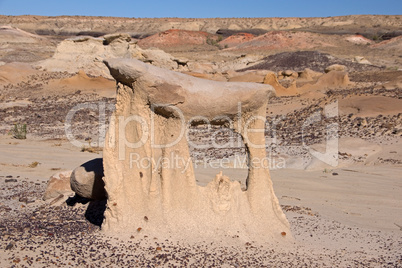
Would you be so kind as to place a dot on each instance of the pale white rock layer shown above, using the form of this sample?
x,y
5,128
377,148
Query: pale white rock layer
x,y
87,53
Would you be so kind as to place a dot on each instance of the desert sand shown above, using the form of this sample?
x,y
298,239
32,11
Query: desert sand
x,y
336,79
352,218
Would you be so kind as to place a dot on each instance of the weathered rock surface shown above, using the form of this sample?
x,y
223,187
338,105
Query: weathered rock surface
x,y
336,67
271,79
109,38
334,79
58,184
86,180
331,80
162,103
309,74
362,60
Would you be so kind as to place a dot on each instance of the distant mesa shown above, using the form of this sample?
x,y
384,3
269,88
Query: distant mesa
x,y
174,37
285,40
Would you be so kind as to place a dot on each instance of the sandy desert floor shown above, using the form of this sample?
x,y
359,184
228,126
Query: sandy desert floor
x,y
343,217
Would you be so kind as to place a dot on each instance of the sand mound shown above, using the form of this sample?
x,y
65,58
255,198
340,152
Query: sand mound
x,y
15,72
300,60
236,39
175,38
81,81
10,34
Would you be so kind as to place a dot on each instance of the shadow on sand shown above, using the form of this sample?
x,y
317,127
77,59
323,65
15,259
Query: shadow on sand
x,y
95,210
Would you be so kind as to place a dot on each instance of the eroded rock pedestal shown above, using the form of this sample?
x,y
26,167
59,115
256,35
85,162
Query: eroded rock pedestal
x,y
147,183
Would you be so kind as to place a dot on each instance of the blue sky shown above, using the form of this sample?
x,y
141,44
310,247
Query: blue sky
x,y
201,8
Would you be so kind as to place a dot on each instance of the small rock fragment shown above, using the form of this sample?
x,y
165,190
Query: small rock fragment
x,y
23,200
58,184
10,246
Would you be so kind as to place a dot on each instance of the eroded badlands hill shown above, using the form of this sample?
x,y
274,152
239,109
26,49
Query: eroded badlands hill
x,y
75,25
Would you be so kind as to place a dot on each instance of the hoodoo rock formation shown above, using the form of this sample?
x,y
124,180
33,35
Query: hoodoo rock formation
x,y
150,183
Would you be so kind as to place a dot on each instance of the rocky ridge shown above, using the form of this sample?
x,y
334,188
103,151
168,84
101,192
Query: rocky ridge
x,y
76,25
